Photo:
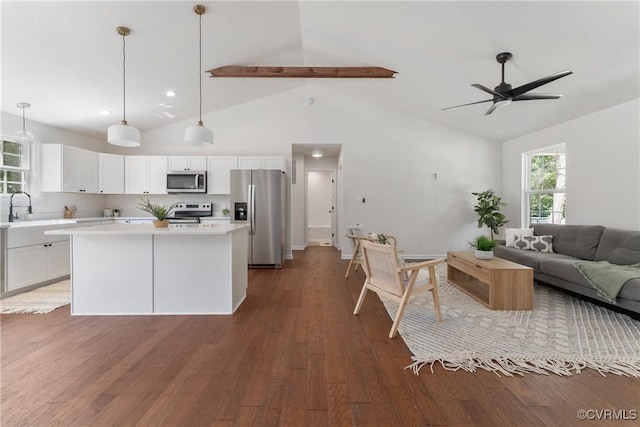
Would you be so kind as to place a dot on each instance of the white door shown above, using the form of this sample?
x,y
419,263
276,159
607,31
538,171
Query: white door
x,y
320,208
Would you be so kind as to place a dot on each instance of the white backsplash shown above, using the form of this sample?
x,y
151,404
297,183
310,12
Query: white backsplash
x,y
51,205
127,203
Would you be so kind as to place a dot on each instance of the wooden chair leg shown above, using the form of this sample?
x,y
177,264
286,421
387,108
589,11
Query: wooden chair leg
x,y
354,256
436,297
403,303
361,299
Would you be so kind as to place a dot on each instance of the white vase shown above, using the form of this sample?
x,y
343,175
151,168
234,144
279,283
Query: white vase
x,y
484,254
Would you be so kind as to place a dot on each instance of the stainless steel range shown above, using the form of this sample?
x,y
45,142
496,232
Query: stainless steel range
x,y
190,212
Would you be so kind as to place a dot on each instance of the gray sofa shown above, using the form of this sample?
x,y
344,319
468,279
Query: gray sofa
x,y
582,242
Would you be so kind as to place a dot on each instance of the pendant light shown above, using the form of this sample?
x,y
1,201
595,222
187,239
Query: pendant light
x,y
23,135
123,134
199,135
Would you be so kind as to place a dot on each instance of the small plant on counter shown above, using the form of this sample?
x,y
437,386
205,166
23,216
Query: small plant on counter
x,y
158,211
225,212
483,243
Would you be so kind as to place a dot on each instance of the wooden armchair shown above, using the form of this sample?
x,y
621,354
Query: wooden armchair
x,y
387,276
356,257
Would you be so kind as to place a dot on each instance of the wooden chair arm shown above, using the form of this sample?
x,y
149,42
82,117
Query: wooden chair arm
x,y
418,265
353,236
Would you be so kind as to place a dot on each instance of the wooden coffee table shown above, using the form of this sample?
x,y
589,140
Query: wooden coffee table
x,y
497,283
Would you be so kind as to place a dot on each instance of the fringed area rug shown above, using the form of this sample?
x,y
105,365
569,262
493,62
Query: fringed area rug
x,y
39,301
562,335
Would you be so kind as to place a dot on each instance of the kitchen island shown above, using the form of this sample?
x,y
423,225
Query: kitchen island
x,y
128,269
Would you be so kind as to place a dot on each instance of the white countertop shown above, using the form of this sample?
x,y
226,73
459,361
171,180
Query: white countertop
x,y
173,229
39,222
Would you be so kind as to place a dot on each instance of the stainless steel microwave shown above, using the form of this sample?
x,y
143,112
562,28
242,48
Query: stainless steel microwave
x,y
186,182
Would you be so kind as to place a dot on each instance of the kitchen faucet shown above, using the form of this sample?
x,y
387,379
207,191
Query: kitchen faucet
x,y
29,209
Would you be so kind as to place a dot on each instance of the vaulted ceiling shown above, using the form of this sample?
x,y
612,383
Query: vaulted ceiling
x,y
65,58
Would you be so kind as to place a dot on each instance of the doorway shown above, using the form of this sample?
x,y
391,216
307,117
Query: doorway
x,y
321,212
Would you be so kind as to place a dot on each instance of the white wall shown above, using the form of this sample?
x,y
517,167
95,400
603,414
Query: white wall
x,y
387,157
603,167
51,205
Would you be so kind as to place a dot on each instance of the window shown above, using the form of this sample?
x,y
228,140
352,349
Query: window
x,y
14,166
545,193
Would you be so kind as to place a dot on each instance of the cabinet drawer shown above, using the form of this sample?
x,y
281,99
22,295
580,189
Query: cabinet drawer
x,y
471,269
26,236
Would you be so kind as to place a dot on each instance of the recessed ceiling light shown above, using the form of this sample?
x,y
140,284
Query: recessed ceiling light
x,y
317,153
105,112
171,93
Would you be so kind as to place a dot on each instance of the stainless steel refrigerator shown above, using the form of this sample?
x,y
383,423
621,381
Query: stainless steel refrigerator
x,y
258,199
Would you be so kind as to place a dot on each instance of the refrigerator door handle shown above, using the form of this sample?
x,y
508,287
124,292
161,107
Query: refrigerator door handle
x,y
251,208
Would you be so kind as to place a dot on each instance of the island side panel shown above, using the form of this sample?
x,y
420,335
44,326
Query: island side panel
x,y
111,274
192,274
239,256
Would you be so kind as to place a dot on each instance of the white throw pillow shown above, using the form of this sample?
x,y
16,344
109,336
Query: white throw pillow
x,y
511,233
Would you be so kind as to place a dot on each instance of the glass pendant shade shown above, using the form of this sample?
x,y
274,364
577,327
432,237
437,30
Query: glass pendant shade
x,y
123,135
198,135
23,135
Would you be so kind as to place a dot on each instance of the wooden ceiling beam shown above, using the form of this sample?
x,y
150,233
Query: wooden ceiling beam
x,y
301,72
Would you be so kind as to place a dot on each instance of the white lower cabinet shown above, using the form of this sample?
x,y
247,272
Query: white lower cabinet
x,y
29,265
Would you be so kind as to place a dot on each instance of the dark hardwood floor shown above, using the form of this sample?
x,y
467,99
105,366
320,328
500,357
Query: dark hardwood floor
x,y
293,355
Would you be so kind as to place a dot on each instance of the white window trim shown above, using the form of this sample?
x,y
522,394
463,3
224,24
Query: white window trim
x,y
26,164
526,181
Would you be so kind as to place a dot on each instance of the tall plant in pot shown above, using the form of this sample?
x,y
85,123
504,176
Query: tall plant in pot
x,y
160,212
488,210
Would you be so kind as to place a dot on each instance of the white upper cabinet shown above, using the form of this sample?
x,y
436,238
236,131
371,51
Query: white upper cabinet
x,y
219,173
145,174
111,173
187,163
249,162
68,169
261,162
273,162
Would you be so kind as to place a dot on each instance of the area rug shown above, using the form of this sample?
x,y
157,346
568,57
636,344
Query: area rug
x,y
562,335
38,301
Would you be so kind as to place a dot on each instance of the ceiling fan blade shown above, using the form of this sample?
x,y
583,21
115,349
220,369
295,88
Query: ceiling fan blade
x,y
471,103
543,81
490,110
531,96
486,89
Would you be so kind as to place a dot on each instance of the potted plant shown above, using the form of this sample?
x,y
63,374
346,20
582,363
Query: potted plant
x,y
488,210
160,212
225,212
483,247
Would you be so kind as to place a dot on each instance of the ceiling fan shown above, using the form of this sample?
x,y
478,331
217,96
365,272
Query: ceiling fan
x,y
503,94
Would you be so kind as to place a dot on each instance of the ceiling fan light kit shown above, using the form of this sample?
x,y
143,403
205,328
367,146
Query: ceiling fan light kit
x,y
23,135
123,135
199,135
504,95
